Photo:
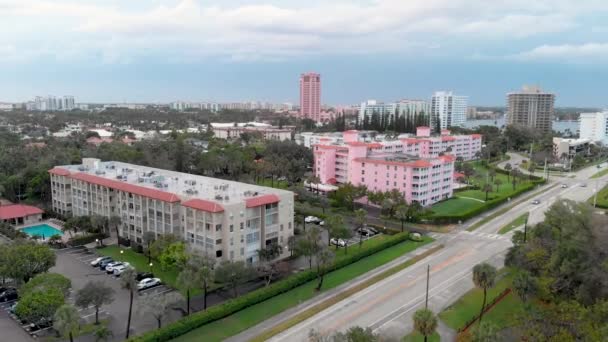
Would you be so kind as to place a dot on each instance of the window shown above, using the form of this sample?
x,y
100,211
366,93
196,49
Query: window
x,y
289,225
218,241
362,179
242,225
231,228
218,254
362,172
231,255
218,227
231,241
281,227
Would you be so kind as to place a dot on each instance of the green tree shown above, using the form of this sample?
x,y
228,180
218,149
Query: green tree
x,y
324,259
28,259
38,306
188,279
233,273
161,244
425,322
102,333
67,321
266,265
402,214
487,188
491,174
360,222
44,281
309,245
129,283
173,256
357,334
148,238
508,168
524,285
484,276
485,332
158,307
96,294
497,182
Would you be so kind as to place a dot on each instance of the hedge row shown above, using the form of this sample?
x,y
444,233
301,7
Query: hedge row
x,y
232,306
83,240
491,204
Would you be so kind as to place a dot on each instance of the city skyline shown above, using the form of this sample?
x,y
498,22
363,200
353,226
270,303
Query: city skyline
x,y
113,51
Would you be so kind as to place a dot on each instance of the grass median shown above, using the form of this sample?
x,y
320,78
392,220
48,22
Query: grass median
x,y
240,321
519,221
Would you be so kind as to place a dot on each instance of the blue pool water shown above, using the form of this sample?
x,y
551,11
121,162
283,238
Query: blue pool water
x,y
42,230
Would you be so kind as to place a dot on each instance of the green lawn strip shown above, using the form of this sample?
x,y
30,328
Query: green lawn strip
x,y
602,198
276,184
505,209
455,206
416,337
600,174
469,305
341,296
249,317
518,221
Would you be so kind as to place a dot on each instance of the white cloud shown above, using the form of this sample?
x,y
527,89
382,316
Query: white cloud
x,y
566,53
190,29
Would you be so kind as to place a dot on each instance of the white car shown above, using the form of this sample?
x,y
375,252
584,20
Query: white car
x,y
110,266
98,260
148,283
121,268
564,186
322,223
312,219
338,242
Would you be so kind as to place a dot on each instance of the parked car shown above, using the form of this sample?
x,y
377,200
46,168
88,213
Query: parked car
x,y
536,201
104,263
97,261
110,266
372,229
364,232
13,307
322,223
583,185
8,295
564,186
338,242
143,275
312,219
148,283
121,268
415,237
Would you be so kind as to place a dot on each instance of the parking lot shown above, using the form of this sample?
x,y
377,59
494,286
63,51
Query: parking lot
x,y
74,263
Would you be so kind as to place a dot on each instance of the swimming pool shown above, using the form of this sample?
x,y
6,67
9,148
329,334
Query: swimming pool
x,y
43,230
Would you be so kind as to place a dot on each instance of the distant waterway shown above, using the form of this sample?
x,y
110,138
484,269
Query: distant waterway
x,y
560,126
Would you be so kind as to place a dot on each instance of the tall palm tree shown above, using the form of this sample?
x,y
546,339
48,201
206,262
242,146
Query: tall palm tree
x,y
425,322
524,285
484,276
402,214
497,182
360,221
67,321
128,282
487,188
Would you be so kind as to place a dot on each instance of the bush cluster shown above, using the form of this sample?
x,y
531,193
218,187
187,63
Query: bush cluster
x,y
11,232
83,240
231,306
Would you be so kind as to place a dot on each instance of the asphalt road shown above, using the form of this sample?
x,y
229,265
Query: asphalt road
x,y
388,306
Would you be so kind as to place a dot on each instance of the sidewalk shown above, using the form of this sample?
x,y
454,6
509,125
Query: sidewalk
x,y
288,314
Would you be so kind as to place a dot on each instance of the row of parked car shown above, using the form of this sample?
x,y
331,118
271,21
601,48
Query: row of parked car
x,y
145,280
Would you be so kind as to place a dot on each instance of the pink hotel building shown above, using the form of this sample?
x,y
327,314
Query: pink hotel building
x,y
413,166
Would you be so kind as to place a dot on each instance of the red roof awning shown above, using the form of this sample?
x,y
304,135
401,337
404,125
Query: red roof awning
x,y
126,187
59,171
8,212
204,205
261,200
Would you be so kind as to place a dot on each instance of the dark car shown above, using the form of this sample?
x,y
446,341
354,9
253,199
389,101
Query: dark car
x,y
104,263
143,275
8,295
372,229
364,232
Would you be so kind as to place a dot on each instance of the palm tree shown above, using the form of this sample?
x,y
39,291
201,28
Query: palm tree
x,y
425,322
524,285
492,174
402,213
148,238
484,276
115,222
128,282
360,221
314,180
497,182
508,168
487,188
103,334
67,321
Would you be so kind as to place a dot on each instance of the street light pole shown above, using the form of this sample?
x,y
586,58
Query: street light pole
x,y
525,229
428,273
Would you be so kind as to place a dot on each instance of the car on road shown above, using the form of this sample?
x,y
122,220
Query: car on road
x,y
8,295
143,275
583,185
104,263
415,237
337,242
110,266
536,201
121,268
148,283
97,261
372,229
312,219
564,186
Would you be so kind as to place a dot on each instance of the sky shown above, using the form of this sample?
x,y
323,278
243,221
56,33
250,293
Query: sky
x,y
244,50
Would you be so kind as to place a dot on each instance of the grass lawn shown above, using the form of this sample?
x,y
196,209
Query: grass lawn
x,y
244,319
602,198
601,173
455,206
518,221
469,305
277,184
416,337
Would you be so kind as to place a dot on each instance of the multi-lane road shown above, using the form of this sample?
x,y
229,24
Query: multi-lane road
x,y
387,306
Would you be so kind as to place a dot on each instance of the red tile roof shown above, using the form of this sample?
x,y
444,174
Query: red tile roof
x,y
261,200
59,171
126,187
12,211
447,138
447,158
476,136
204,205
357,143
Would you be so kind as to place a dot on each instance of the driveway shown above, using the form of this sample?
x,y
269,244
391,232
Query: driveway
x,y
74,263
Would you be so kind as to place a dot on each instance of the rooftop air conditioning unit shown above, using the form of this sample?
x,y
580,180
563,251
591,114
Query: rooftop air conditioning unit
x,y
218,197
81,168
100,172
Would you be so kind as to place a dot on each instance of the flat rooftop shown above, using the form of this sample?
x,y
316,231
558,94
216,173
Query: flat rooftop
x,y
185,186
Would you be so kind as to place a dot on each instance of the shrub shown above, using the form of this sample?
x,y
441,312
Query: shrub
x,y
83,240
231,306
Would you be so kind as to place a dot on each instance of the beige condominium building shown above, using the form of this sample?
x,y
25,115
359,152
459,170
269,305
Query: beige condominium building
x,y
531,107
226,219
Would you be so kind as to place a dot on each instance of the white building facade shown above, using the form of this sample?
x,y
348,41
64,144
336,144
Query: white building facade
x,y
448,109
407,108
594,126
224,219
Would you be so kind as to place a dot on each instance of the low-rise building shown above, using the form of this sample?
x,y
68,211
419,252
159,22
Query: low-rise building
x,y
228,220
18,214
266,132
421,167
569,148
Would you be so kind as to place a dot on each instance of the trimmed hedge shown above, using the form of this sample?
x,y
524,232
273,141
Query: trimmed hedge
x,y
83,240
231,306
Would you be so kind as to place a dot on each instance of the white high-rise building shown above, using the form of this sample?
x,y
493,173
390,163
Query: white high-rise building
x,y
594,126
51,103
401,108
448,109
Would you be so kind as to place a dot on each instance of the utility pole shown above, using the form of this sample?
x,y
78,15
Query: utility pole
x,y
525,229
597,185
546,170
428,273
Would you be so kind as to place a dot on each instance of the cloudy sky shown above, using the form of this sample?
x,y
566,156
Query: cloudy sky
x,y
233,50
